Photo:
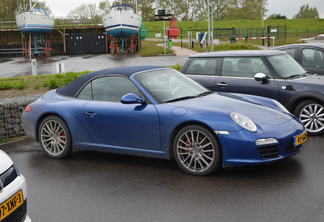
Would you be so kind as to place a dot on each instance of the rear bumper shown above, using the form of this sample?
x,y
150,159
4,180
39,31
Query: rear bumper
x,y
239,148
28,124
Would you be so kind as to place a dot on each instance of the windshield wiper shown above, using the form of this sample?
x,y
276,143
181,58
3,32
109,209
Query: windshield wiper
x,y
180,98
294,76
189,97
308,73
205,93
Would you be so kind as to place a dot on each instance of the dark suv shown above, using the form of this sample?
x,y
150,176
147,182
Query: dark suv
x,y
272,74
310,56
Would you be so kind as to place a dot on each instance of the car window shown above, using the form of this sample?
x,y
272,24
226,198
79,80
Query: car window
x,y
202,66
291,52
86,92
312,58
285,66
167,84
108,89
244,67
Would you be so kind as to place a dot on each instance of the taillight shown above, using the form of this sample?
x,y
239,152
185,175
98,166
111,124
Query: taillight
x,y
28,108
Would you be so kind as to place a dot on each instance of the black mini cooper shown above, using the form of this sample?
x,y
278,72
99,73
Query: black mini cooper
x,y
272,74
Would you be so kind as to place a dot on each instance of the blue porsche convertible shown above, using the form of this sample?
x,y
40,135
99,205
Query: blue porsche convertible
x,y
158,112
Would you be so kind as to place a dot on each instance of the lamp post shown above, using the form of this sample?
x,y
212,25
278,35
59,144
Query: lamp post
x,y
212,32
208,12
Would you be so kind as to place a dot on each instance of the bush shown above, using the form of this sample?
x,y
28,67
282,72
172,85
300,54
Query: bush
x,y
60,80
176,67
235,46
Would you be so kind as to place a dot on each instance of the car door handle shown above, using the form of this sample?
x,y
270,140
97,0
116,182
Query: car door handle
x,y
90,114
222,84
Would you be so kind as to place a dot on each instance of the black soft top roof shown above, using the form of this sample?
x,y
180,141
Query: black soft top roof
x,y
72,88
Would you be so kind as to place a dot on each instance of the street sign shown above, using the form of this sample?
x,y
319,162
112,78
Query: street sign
x,y
163,16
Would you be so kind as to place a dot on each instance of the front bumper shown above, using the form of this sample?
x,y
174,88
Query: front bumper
x,y
18,184
239,148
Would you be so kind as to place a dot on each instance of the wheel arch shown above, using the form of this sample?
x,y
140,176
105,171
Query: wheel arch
x,y
294,101
188,123
45,115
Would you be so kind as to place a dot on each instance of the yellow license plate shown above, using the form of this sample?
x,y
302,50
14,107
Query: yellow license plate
x,y
300,139
11,205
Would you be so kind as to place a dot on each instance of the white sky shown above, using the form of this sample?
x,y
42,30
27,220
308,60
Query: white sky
x,y
286,7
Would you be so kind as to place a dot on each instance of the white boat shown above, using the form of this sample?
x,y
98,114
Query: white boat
x,y
122,21
34,20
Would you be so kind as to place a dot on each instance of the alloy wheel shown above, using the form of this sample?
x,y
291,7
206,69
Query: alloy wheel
x,y
195,151
53,137
312,116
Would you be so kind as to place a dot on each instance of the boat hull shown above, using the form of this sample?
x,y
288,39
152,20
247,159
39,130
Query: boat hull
x,y
30,22
122,24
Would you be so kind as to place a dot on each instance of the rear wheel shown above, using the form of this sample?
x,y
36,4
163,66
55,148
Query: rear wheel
x,y
311,114
196,150
54,137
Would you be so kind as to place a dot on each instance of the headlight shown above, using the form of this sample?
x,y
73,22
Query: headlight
x,y
17,171
280,106
244,121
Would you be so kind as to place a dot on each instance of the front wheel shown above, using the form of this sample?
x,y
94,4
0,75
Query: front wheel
x,y
311,114
196,150
54,137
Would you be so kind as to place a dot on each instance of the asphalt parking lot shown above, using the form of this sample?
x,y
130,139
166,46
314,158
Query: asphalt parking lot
x,y
104,187
21,66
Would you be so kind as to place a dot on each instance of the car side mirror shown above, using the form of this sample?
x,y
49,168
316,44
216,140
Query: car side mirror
x,y
131,98
260,77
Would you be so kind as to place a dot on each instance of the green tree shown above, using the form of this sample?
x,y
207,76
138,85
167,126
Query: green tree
x,y
8,8
104,7
182,9
86,12
146,9
246,9
306,11
217,7
277,16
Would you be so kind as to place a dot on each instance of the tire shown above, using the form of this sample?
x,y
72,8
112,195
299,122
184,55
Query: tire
x,y
311,114
196,150
54,137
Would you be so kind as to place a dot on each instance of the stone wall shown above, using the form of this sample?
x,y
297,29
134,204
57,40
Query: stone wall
x,y
10,115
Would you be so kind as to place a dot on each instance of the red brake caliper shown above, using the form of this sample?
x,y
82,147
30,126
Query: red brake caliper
x,y
63,136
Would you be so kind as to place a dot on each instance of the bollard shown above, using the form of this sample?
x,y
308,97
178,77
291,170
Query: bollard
x,y
34,67
60,68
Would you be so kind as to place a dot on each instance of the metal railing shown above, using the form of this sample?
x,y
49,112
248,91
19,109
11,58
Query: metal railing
x,y
7,22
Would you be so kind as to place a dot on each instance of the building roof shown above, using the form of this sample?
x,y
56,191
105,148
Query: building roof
x,y
233,53
73,88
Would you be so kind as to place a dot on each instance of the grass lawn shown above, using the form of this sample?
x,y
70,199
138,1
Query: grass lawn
x,y
2,141
293,25
152,49
33,85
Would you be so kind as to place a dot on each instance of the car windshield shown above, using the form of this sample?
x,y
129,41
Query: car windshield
x,y
286,66
167,85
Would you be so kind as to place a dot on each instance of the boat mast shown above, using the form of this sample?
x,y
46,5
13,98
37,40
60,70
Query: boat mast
x,y
30,36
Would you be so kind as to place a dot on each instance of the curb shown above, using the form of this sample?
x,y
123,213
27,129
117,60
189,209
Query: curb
x,y
13,141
